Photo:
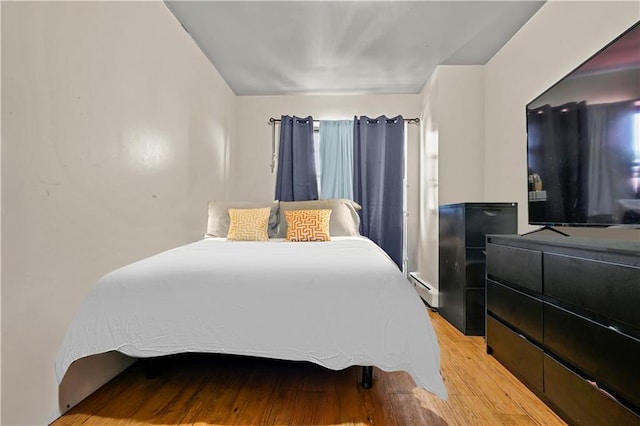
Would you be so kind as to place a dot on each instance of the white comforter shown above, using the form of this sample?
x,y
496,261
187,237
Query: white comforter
x,y
337,304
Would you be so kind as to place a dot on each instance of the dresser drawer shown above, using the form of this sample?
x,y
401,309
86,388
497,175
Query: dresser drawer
x,y
481,220
607,289
522,311
520,356
580,402
521,267
609,357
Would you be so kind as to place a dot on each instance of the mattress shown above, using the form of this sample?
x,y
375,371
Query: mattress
x,y
337,304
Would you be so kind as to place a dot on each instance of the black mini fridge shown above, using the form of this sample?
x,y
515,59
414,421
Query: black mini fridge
x,y
462,231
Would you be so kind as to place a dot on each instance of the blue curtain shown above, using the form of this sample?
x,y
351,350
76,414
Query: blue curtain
x,y
296,179
336,159
378,166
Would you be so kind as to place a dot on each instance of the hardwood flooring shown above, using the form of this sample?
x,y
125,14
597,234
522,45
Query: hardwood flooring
x,y
227,390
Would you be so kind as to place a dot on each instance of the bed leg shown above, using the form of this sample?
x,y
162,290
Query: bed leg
x,y
367,376
150,367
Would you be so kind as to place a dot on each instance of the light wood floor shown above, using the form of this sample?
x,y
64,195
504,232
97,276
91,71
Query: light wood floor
x,y
226,390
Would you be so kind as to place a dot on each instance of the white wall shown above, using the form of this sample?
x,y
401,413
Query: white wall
x,y
427,249
0,224
461,134
115,132
452,153
252,175
559,37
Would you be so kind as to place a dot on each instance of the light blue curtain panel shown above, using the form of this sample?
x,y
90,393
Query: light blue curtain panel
x,y
336,159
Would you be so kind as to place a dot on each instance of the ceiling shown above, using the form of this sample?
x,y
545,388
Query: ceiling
x,y
346,47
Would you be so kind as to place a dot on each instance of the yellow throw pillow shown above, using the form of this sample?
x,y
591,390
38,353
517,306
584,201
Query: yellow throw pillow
x,y
248,224
308,225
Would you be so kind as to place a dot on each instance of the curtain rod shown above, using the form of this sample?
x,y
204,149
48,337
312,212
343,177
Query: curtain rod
x,y
406,120
272,122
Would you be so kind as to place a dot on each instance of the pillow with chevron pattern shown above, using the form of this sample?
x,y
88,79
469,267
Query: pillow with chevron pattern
x,y
248,224
308,225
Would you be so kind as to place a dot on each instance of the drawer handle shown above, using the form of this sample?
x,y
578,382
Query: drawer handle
x,y
595,385
491,212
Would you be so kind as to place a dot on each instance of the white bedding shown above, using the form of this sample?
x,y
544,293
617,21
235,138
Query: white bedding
x,y
337,304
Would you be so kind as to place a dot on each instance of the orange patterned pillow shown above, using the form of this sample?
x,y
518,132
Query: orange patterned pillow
x,y
308,225
248,224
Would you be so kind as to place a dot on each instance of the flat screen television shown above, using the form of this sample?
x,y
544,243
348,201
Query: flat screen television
x,y
583,142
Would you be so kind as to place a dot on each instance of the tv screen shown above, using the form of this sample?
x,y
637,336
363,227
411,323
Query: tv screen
x,y
583,142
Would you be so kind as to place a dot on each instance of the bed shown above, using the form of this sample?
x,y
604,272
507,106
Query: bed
x,y
336,303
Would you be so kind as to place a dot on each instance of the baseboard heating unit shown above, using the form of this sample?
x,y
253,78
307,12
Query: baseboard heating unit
x,y
424,289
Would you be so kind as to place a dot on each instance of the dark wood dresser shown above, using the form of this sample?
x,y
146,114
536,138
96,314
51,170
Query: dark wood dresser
x,y
563,315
